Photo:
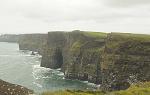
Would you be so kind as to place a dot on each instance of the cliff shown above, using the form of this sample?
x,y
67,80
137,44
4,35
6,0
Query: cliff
x,y
114,60
126,60
77,53
9,38
32,42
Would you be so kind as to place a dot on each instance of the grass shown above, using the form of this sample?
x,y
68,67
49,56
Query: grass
x,y
139,37
79,43
76,44
78,92
132,42
137,89
95,34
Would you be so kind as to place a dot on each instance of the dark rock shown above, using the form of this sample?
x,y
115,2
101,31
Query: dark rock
x,y
13,89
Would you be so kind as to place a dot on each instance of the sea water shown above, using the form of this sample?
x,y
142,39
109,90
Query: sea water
x,y
20,67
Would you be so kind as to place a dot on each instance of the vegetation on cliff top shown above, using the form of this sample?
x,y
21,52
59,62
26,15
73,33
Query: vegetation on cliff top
x,y
96,35
136,89
128,43
130,36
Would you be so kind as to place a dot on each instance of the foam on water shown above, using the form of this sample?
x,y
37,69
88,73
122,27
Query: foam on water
x,y
37,84
37,71
20,67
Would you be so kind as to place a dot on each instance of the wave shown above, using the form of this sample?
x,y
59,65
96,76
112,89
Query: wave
x,y
43,73
58,69
37,84
37,72
92,84
61,74
29,53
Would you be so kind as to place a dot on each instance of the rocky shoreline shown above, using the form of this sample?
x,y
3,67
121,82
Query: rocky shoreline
x,y
13,89
114,60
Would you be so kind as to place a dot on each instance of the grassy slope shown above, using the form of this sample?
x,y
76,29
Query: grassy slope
x,y
130,36
138,89
95,35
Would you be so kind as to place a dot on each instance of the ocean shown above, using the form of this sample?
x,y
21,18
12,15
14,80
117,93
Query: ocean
x,y
20,67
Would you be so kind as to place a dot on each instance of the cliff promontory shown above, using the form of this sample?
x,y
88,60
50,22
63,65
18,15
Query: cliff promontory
x,y
77,53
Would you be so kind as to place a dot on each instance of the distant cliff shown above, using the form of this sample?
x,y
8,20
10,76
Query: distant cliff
x,y
114,60
32,42
9,38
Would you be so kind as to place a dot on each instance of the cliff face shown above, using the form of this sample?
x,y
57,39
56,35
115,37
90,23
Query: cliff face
x,y
113,60
126,60
9,38
33,42
76,53
52,56
83,55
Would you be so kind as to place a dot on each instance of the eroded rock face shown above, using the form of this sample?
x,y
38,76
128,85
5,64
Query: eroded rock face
x,y
115,61
126,60
13,89
32,42
76,53
53,50
9,38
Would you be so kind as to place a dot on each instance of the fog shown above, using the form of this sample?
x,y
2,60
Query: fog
x,y
41,16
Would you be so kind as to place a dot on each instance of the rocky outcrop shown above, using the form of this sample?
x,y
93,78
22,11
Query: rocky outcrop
x,y
13,89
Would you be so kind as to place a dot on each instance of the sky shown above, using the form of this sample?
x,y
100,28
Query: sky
x,y
41,16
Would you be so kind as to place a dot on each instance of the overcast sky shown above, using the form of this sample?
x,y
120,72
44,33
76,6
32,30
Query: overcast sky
x,y
41,16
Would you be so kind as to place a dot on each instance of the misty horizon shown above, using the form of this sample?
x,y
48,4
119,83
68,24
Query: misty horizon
x,y
36,16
